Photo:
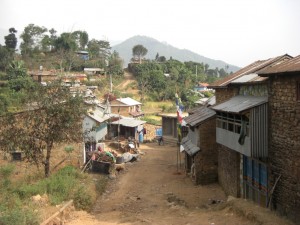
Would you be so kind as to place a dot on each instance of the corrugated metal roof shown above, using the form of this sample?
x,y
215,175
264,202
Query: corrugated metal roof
x,y
245,78
250,69
199,115
129,101
189,147
287,66
172,115
240,103
129,122
98,115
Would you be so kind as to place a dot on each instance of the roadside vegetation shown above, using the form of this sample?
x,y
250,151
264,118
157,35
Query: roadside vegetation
x,y
16,198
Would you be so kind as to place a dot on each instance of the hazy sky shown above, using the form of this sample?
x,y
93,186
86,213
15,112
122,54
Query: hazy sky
x,y
235,31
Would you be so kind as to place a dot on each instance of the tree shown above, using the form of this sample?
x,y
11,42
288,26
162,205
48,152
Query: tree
x,y
66,41
11,39
55,116
82,38
32,36
115,64
5,58
139,51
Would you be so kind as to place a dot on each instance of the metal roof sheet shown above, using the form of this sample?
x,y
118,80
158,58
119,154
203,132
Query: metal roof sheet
x,y
245,78
98,115
199,115
287,66
189,147
250,69
129,122
240,103
128,101
172,115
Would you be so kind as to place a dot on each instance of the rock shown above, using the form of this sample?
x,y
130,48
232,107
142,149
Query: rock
x,y
230,198
36,198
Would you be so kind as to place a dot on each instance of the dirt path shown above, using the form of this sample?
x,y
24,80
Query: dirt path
x,y
151,191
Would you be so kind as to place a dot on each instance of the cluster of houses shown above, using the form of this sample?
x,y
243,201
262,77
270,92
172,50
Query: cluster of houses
x,y
249,138
119,118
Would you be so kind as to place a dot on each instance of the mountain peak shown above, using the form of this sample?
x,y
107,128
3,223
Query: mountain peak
x,y
164,49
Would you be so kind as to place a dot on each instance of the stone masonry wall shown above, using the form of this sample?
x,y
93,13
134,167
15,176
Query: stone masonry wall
x,y
206,161
224,94
284,144
228,160
229,170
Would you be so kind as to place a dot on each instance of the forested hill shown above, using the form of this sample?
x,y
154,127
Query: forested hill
x,y
153,46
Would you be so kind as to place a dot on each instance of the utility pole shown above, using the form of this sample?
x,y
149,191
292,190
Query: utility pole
x,y
110,79
196,74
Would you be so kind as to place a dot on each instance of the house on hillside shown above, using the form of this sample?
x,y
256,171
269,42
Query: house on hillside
x,y
126,107
242,131
84,55
284,135
201,156
94,71
94,128
201,87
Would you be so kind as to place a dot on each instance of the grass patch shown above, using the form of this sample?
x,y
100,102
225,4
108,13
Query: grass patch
x,y
68,183
152,119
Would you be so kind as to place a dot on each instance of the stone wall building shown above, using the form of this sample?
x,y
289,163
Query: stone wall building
x,y
201,159
242,131
284,138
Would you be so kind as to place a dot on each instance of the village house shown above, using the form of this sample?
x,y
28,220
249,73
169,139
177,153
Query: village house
x,y
170,127
242,132
284,136
201,156
126,107
94,128
201,87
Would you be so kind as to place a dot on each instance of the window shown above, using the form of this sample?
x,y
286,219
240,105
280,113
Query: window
x,y
232,122
298,91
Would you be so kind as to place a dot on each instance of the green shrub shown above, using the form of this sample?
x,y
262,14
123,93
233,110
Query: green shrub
x,y
18,216
5,173
82,199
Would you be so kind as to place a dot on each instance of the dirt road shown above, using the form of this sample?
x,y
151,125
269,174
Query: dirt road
x,y
151,191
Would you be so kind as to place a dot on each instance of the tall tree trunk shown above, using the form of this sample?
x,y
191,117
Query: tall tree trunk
x,y
47,160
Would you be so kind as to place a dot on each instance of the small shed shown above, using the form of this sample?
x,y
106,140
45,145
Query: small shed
x,y
127,127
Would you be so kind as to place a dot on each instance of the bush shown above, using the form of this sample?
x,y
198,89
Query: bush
x,y
18,216
82,199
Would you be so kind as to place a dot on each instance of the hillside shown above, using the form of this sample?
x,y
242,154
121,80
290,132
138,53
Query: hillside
x,y
163,49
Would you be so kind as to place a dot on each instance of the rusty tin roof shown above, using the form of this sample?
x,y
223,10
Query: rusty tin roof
x,y
199,115
287,66
240,103
251,69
